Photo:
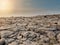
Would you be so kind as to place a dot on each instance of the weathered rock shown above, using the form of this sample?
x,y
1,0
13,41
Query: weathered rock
x,y
3,42
6,34
39,30
14,43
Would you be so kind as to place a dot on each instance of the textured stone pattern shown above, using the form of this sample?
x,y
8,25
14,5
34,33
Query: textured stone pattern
x,y
38,30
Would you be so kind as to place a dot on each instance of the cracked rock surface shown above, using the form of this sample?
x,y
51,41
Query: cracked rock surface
x,y
38,30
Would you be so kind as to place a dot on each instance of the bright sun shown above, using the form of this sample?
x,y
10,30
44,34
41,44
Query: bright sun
x,y
6,6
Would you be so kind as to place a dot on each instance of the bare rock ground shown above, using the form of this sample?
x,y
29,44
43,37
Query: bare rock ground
x,y
38,30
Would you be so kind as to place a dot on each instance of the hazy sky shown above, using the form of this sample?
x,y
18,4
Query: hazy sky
x,y
38,6
34,7
46,4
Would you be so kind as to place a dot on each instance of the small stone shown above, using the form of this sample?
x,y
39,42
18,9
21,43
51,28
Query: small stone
x,y
51,34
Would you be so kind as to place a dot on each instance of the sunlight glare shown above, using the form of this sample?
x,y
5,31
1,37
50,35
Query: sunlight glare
x,y
6,6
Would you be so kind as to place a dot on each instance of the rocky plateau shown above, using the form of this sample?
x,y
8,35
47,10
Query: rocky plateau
x,y
36,30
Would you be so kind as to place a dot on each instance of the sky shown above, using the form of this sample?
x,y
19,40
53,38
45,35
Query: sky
x,y
36,7
39,6
47,4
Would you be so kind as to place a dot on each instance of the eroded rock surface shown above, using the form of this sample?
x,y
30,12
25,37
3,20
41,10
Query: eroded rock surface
x,y
38,30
